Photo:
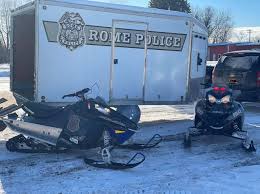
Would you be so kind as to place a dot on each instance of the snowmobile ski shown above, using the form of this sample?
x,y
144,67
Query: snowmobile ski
x,y
154,141
191,132
247,142
187,140
116,165
249,146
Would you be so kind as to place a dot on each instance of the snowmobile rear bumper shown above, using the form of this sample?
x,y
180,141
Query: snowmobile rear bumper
x,y
43,133
7,110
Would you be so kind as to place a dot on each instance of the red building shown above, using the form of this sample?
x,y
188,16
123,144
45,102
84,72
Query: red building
x,y
215,51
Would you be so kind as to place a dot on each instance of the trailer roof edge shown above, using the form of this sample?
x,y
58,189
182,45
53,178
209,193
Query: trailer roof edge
x,y
23,7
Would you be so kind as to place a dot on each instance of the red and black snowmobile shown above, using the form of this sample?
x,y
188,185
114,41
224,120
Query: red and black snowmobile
x,y
219,114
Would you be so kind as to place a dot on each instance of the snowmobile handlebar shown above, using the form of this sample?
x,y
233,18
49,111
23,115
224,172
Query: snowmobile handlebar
x,y
77,94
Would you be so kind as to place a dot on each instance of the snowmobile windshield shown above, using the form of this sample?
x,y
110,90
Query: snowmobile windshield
x,y
238,62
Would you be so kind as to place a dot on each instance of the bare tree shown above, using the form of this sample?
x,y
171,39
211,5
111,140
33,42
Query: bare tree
x,y
206,16
2,53
218,23
223,27
5,22
240,36
5,8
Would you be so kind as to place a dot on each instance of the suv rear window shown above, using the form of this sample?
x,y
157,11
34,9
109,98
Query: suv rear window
x,y
244,62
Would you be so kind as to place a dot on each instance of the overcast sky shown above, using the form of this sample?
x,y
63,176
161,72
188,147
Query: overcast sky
x,y
245,12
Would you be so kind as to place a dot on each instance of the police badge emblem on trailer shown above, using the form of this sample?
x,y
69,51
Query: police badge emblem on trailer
x,y
71,31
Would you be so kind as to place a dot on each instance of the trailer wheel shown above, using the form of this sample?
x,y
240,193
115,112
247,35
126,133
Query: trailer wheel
x,y
132,112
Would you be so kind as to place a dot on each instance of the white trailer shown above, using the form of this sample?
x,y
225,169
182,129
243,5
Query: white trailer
x,y
135,55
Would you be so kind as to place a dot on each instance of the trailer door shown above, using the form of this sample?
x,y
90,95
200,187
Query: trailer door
x,y
199,56
198,65
128,62
23,54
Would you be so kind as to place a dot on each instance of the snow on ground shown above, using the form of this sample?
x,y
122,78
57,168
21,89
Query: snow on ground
x,y
4,70
4,83
4,77
212,63
214,164
166,113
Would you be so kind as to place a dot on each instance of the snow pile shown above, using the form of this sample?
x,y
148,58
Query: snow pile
x,y
166,113
212,63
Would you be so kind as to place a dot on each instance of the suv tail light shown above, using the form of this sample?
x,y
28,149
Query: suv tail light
x,y
258,79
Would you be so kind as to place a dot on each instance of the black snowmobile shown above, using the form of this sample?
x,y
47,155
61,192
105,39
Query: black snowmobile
x,y
219,114
88,123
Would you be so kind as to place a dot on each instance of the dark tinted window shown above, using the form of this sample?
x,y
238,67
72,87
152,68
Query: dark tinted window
x,y
239,62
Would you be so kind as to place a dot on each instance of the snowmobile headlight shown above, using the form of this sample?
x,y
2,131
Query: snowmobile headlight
x,y
212,99
225,99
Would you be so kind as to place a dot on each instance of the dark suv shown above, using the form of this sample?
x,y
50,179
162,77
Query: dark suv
x,y
240,70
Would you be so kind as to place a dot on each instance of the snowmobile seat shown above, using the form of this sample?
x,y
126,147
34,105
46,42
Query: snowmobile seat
x,y
40,110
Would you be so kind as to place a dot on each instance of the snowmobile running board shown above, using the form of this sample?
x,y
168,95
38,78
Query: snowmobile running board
x,y
9,109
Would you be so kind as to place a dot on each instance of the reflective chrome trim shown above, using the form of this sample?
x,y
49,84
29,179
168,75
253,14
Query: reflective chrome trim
x,y
188,77
218,128
43,133
36,58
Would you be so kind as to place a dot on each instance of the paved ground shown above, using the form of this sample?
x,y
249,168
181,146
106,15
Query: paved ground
x,y
213,164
